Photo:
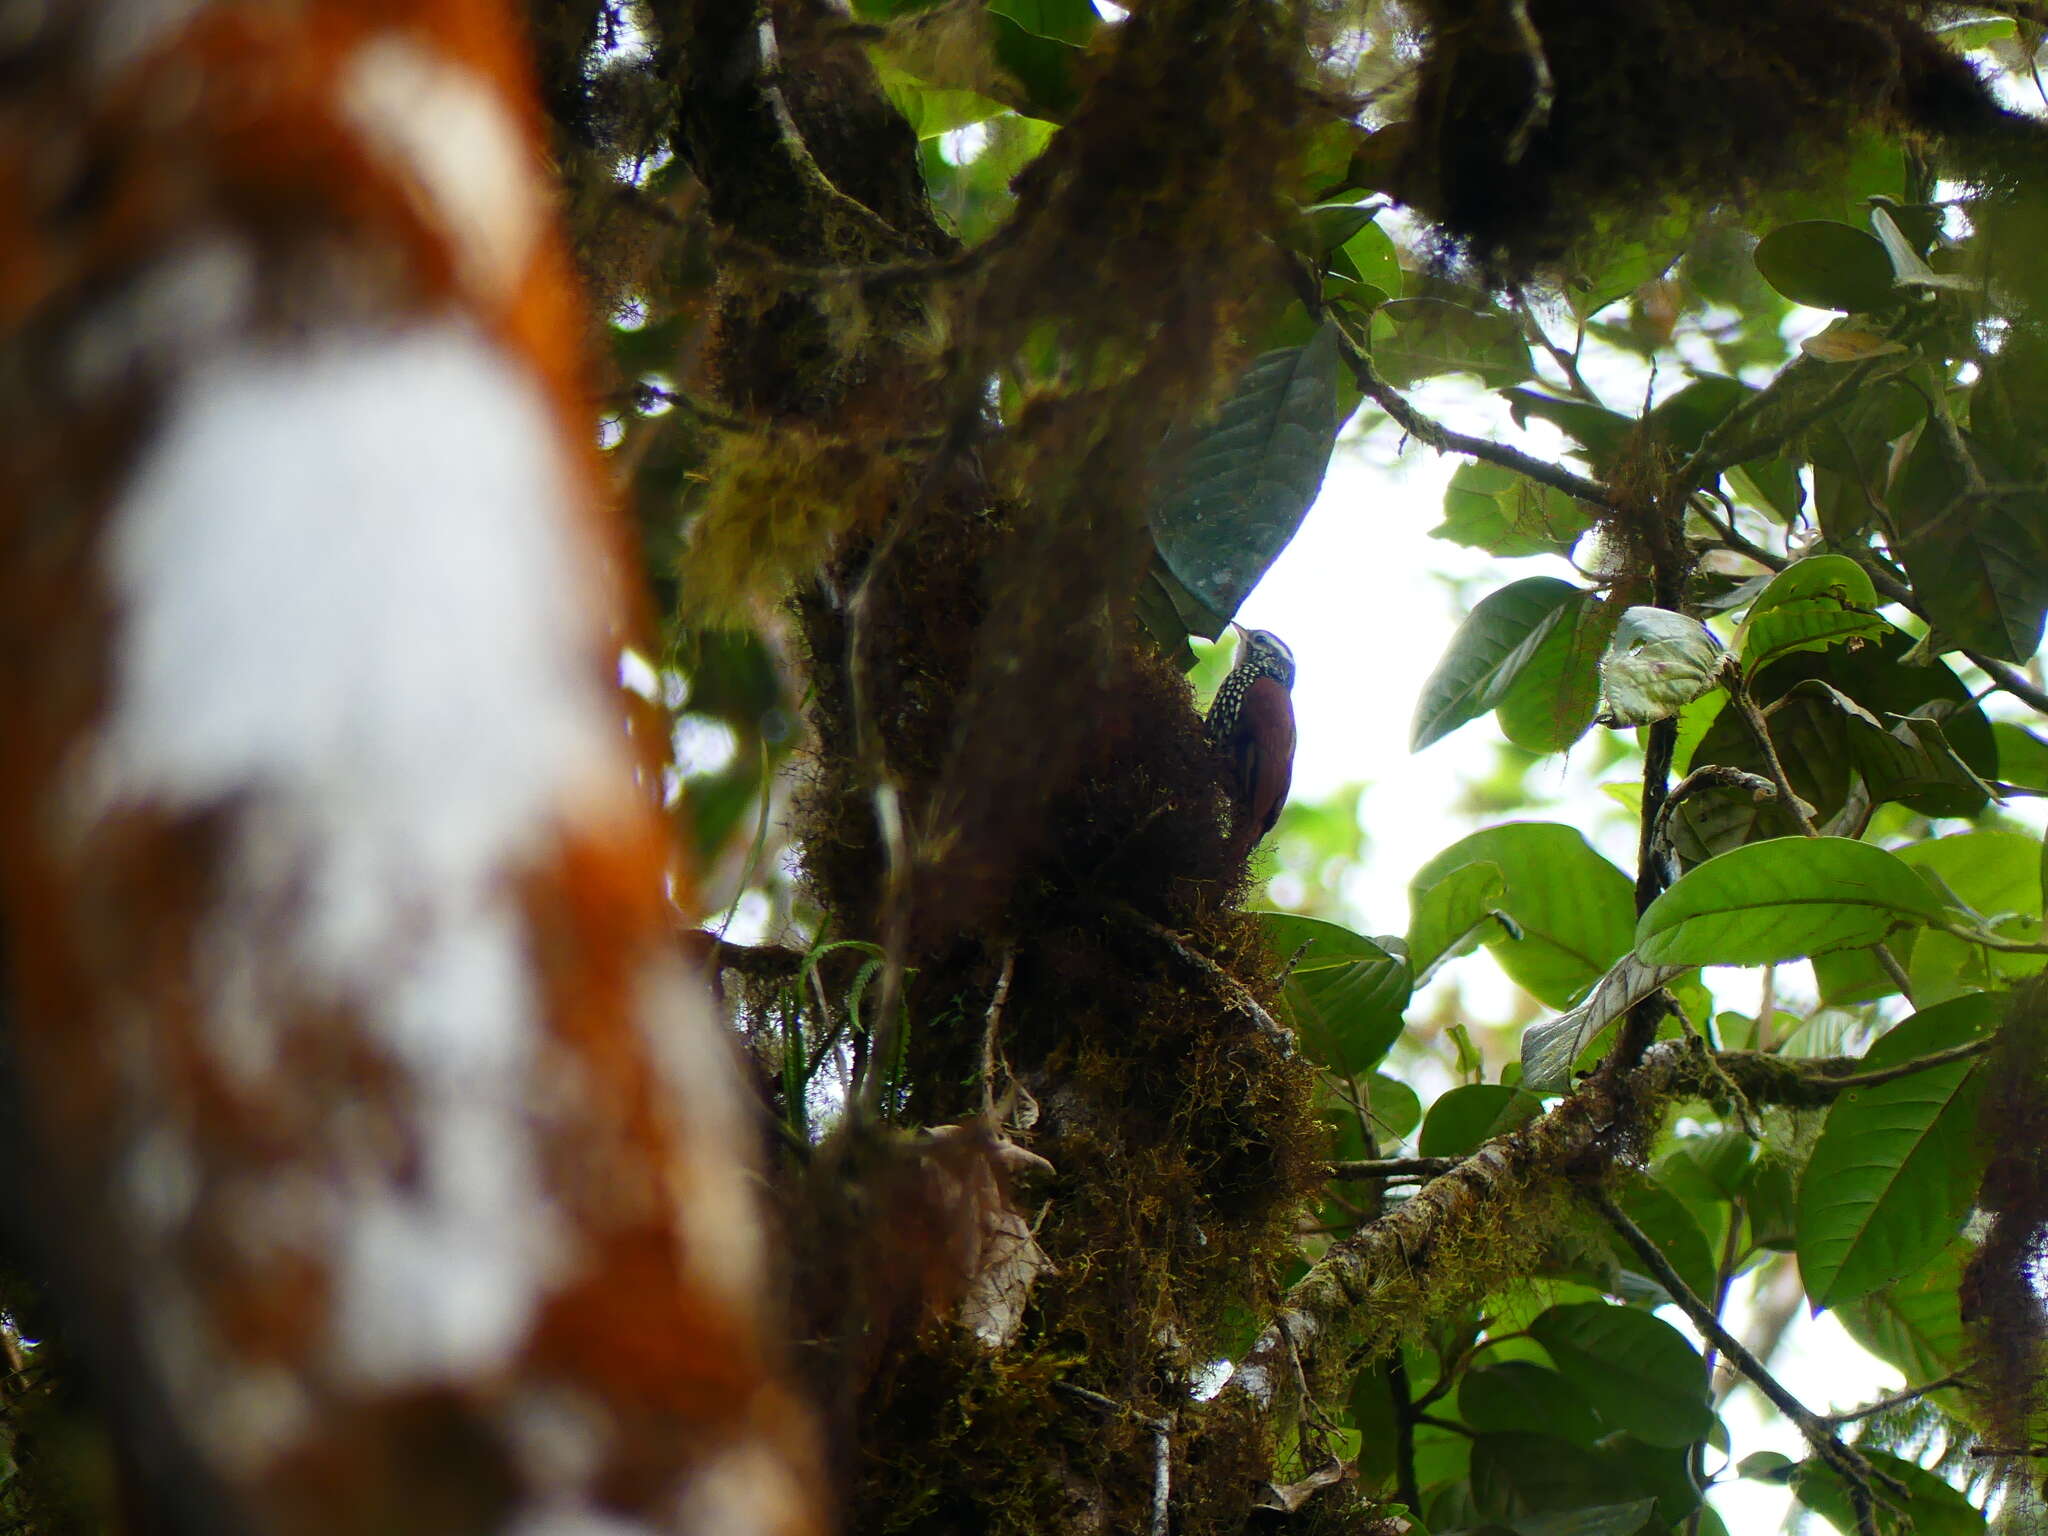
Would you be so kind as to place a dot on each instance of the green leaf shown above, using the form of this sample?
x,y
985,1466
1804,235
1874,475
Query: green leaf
x,y
1812,604
1638,1371
1931,1508
1520,1396
1446,917
1915,1325
1464,1117
1977,554
1251,474
1550,1049
1433,336
1657,663
1375,259
1490,507
1548,702
1997,877
1044,66
1593,1520
1572,908
1667,1222
1395,1108
1826,265
1782,900
1496,639
2022,756
1598,431
1345,994
1069,21
1893,1174
1681,421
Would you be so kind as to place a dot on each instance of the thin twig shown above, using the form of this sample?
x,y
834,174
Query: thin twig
x,y
1443,440
1393,1169
1895,1400
991,1024
1932,1059
1567,364
1245,1003
1542,88
1857,1474
1162,1477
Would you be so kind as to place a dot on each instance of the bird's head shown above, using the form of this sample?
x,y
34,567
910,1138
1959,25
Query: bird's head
x,y
1266,651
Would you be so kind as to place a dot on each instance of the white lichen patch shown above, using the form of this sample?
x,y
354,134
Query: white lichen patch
x,y
445,130
356,611
715,1211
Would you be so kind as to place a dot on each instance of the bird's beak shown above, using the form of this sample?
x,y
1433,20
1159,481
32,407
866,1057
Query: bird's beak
x,y
1243,634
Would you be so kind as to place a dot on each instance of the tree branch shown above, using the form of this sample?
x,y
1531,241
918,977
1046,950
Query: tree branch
x,y
1857,1474
1394,1169
1443,440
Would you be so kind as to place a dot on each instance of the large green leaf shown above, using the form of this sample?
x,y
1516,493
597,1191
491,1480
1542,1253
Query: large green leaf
x,y
1892,1176
1497,638
1434,336
1931,1507
1345,994
1520,1396
1491,507
1463,1117
1251,473
1599,432
1826,265
1668,1223
1548,702
1782,900
1549,1049
1449,916
1639,1372
1916,1324
1977,553
1997,876
1571,907
1811,604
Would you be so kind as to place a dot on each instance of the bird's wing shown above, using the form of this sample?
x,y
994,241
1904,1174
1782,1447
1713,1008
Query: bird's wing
x,y
1266,728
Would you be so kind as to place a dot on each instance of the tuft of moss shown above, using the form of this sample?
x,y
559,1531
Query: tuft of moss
x,y
1657,103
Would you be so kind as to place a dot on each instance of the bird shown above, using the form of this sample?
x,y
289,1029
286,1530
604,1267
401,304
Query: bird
x,y
1251,720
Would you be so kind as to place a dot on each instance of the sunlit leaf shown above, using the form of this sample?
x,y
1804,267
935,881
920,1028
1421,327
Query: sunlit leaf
x,y
1782,900
1812,604
1433,336
1496,639
1570,907
1345,993
1250,474
1896,1166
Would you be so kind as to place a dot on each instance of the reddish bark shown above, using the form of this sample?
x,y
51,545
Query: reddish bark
x,y
393,1163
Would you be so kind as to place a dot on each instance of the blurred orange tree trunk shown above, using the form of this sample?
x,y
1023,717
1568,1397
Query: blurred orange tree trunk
x,y
388,1160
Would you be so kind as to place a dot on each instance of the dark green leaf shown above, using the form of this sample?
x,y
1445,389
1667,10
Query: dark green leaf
x,y
1251,474
1915,1325
1599,432
1550,1049
1977,552
1548,701
1521,1396
1667,1222
1069,21
1490,507
1638,1371
1896,1167
1594,1520
1826,265
2022,756
1571,906
1496,639
1345,994
1932,1507
1464,1117
1432,337
1812,604
1395,1109
1782,900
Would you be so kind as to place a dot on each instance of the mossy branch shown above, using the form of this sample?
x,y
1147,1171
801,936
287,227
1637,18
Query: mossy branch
x,y
1456,1238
